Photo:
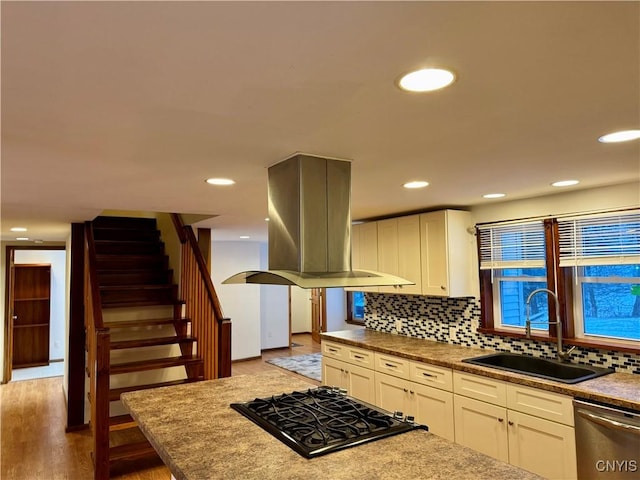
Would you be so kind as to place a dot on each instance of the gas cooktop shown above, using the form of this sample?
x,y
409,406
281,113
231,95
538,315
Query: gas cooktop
x,y
323,420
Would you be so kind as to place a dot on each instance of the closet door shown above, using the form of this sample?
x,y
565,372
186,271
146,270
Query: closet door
x,y
31,302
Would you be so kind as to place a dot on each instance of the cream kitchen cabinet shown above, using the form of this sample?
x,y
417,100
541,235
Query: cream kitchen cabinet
x,y
415,389
527,427
448,268
350,368
364,250
399,253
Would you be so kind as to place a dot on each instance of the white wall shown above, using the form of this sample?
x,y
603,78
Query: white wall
x,y
568,201
274,310
300,310
57,259
336,300
240,302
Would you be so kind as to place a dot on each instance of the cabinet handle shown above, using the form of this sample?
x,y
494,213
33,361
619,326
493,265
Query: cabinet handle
x,y
510,423
501,420
332,350
359,357
405,390
342,370
428,375
442,287
411,392
390,365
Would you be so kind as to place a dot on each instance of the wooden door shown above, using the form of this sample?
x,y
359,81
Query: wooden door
x,y
30,303
318,313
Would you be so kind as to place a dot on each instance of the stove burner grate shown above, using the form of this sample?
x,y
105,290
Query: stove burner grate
x,y
321,420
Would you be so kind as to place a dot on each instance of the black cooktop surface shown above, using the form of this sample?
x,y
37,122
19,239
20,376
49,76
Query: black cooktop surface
x,y
322,420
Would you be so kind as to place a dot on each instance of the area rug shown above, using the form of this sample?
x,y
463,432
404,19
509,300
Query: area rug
x,y
309,365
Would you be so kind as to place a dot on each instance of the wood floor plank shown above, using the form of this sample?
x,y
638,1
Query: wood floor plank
x,y
33,441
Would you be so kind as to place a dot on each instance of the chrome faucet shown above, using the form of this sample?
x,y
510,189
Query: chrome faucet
x,y
562,356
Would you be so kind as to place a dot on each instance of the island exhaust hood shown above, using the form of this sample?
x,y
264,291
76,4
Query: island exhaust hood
x,y
310,228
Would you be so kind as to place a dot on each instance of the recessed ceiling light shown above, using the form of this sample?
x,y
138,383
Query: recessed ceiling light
x,y
426,80
494,195
18,229
220,181
244,237
416,184
266,219
622,136
565,183
22,238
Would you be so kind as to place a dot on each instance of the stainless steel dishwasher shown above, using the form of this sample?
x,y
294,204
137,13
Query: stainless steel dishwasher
x,y
607,441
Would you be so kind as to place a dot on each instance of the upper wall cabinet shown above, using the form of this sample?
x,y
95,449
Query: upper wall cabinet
x,y
447,254
364,250
399,252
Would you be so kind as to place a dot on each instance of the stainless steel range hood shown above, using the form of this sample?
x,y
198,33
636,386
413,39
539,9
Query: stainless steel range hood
x,y
310,228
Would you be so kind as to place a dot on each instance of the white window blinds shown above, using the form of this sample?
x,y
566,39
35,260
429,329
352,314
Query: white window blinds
x,y
611,239
513,245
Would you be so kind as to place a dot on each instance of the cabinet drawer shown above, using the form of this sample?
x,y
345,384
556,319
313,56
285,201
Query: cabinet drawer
x,y
396,366
334,350
543,404
349,354
431,375
480,388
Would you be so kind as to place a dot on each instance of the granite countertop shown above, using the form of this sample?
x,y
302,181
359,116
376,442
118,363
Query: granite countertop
x,y
198,436
618,389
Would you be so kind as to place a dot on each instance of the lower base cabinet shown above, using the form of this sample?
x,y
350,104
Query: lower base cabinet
x,y
429,406
530,442
358,381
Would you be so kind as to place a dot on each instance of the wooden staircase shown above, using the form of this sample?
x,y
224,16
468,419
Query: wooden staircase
x,y
138,336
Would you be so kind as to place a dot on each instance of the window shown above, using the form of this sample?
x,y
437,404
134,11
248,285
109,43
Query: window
x,y
355,307
591,261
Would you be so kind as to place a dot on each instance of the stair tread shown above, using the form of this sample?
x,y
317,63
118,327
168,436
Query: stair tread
x,y
145,323
114,394
155,363
149,303
131,451
150,342
147,286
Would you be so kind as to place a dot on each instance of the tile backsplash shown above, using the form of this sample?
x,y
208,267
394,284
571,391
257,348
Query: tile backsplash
x,y
455,320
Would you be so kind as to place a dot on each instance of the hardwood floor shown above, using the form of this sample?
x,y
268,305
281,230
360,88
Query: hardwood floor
x,y
33,441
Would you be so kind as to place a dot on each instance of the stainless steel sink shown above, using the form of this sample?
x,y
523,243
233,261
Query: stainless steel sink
x,y
539,367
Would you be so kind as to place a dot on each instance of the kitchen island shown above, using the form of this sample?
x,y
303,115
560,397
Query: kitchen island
x,y
198,436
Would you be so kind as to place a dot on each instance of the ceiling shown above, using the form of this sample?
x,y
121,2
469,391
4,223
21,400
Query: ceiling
x,y
131,106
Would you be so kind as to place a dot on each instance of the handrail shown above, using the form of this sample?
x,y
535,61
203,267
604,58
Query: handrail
x,y
93,276
186,235
98,340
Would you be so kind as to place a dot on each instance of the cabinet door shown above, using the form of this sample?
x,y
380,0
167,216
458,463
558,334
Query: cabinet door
x,y
481,426
388,250
364,253
409,263
433,408
434,254
541,446
333,372
360,383
392,393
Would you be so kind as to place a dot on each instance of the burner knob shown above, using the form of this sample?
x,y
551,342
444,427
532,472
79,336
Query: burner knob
x,y
410,418
397,414
343,391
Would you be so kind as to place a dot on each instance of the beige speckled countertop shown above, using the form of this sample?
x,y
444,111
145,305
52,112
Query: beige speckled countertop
x,y
199,437
619,389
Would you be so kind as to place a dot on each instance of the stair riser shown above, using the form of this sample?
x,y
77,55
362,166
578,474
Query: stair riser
x,y
138,263
125,223
149,277
126,234
163,296
129,248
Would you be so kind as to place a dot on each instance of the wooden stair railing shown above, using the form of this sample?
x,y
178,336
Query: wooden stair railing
x,y
202,306
98,364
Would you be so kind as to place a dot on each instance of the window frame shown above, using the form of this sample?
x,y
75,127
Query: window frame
x,y
350,318
560,280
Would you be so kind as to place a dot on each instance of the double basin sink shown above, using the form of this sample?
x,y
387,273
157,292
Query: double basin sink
x,y
539,367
